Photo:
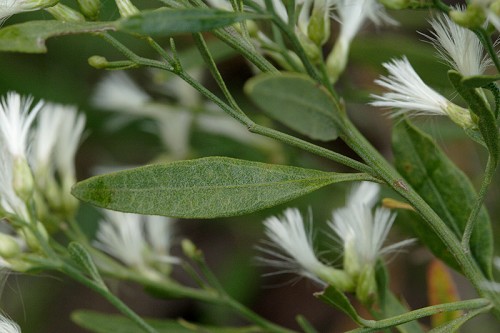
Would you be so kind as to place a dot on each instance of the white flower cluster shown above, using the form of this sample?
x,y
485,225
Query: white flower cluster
x,y
360,231
140,242
38,143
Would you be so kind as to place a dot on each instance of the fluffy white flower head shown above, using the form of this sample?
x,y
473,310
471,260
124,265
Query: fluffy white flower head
x,y
295,253
458,46
361,232
8,326
409,94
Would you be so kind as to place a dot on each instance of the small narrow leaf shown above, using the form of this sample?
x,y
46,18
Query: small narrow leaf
x,y
441,289
203,188
487,122
30,37
106,323
166,21
298,102
446,189
334,297
81,256
479,81
306,326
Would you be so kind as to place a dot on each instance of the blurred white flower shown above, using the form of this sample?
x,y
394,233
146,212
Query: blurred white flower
x,y
352,14
11,7
8,326
458,46
139,241
408,94
290,247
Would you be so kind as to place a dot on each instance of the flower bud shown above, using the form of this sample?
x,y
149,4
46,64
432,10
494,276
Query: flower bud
x,y
473,17
126,8
90,8
23,182
30,237
337,60
366,288
65,13
9,247
460,116
318,29
312,50
189,249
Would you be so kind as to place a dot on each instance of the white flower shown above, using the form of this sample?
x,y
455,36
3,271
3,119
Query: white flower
x,y
16,118
138,241
118,92
352,14
458,46
361,232
294,252
11,7
8,326
408,94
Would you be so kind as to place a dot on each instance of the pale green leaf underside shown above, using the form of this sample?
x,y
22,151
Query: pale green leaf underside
x,y
296,101
105,323
30,37
203,188
166,21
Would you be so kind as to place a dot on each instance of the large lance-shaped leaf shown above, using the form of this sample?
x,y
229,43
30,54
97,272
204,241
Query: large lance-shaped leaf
x,y
30,36
446,189
105,323
203,188
166,21
298,102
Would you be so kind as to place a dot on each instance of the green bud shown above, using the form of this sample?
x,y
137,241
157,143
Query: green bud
x,y
98,62
23,182
396,4
337,278
90,8
30,237
460,116
312,50
9,247
336,61
366,288
65,13
126,8
318,29
473,17
189,249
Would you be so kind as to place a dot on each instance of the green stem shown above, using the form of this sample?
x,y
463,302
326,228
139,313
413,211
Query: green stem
x,y
115,301
469,227
385,171
312,148
488,45
373,325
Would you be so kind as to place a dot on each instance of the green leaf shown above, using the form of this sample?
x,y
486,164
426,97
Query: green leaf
x,y
455,324
298,102
105,323
479,80
306,326
83,258
389,305
334,297
30,36
203,188
446,189
166,21
486,119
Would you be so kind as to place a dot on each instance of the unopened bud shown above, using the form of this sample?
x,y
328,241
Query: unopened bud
x,y
90,8
65,13
30,237
318,29
9,246
337,60
473,17
312,50
366,288
126,8
23,182
190,250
